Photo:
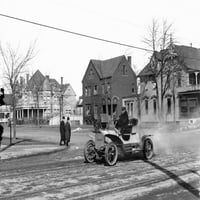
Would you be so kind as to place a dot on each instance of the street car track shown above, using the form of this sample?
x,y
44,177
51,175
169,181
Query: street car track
x,y
75,164
95,194
128,179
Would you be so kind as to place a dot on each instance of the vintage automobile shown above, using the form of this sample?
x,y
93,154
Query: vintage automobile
x,y
109,144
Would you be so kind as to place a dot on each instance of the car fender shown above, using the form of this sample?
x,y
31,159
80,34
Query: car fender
x,y
144,137
115,139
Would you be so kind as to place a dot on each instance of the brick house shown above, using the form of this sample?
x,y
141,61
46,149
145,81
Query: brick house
x,y
184,87
43,98
104,84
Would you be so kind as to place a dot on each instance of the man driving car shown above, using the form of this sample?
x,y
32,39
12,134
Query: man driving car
x,y
123,120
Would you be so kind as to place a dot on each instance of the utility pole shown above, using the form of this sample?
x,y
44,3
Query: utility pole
x,y
51,102
61,99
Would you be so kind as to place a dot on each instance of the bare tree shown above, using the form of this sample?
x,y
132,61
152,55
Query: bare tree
x,y
14,64
159,39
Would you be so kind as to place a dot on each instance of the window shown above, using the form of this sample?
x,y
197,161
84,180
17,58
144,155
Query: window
x,y
192,79
88,110
95,90
179,79
132,109
198,78
146,106
124,70
108,88
89,91
169,103
154,106
183,106
86,91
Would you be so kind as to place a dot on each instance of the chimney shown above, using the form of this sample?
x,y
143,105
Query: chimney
x,y
129,60
27,78
61,80
190,44
47,76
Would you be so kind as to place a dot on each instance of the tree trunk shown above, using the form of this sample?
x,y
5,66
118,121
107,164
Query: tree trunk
x,y
174,107
14,123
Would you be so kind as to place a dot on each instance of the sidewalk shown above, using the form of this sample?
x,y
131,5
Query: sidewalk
x,y
26,144
24,147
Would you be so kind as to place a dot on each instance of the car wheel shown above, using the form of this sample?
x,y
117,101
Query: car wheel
x,y
89,151
111,154
148,149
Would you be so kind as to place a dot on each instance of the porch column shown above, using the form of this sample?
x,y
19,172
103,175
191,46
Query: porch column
x,y
17,114
22,113
28,113
196,73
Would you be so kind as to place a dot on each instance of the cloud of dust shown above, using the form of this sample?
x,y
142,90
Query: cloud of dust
x,y
168,139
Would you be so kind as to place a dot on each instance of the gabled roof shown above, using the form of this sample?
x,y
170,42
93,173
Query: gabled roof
x,y
36,81
54,82
145,71
106,68
65,86
189,56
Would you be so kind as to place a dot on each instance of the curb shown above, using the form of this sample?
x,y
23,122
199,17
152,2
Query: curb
x,y
41,153
32,154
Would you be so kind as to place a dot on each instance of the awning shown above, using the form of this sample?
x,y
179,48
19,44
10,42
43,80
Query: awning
x,y
189,92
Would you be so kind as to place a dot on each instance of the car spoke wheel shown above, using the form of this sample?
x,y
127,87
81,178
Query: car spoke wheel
x,y
89,151
111,154
148,149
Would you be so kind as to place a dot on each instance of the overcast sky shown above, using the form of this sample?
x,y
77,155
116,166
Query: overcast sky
x,y
124,21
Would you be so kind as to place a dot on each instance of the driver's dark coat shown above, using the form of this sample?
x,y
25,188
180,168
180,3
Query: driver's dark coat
x,y
123,120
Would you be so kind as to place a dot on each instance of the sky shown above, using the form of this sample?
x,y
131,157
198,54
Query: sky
x,y
61,54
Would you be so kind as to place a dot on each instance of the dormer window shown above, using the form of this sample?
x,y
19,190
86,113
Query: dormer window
x,y
91,74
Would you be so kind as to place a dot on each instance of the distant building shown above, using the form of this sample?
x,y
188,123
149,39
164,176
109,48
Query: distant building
x,y
104,84
182,98
43,98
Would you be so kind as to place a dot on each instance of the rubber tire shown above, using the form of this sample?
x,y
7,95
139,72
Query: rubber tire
x,y
148,142
110,146
89,144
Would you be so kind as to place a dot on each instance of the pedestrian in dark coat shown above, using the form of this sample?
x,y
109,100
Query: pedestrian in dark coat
x,y
68,131
1,133
62,131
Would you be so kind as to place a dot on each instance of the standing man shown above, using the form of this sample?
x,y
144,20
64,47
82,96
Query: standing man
x,y
68,131
1,133
2,95
62,131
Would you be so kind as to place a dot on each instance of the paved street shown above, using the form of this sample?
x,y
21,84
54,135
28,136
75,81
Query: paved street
x,y
173,173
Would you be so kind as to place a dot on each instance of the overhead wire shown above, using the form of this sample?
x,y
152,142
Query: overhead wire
x,y
81,34
75,33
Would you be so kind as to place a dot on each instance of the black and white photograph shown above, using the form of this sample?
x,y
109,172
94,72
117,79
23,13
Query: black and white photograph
x,y
99,100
